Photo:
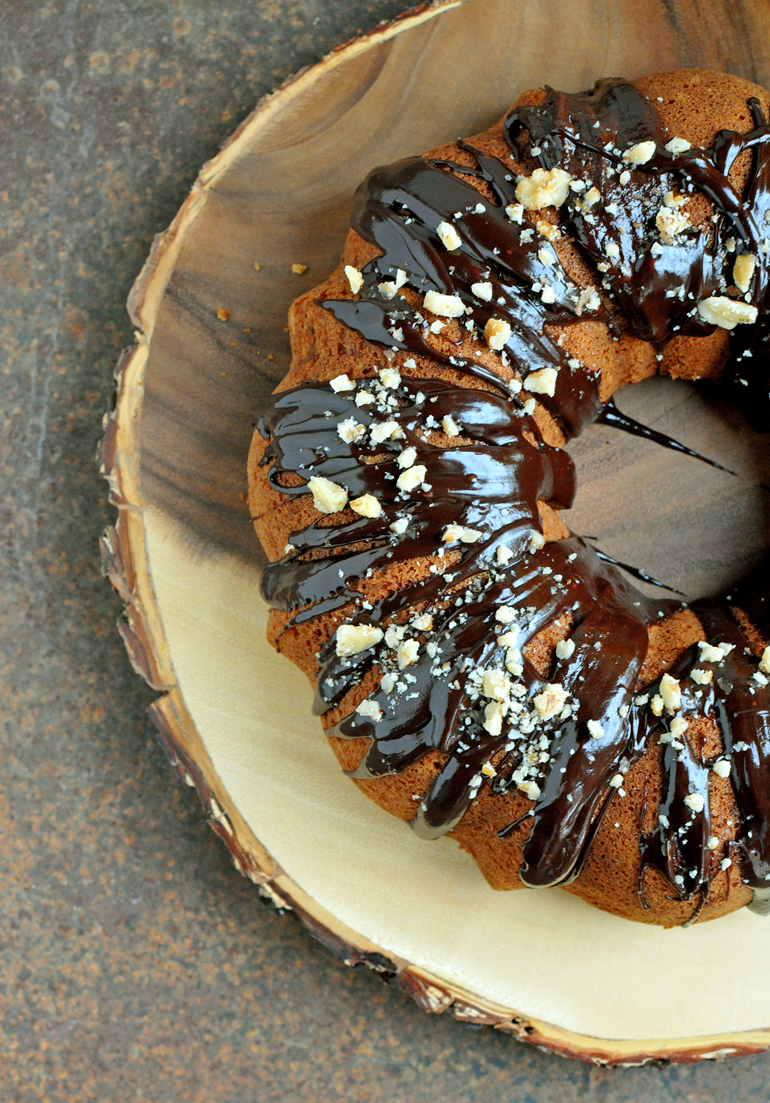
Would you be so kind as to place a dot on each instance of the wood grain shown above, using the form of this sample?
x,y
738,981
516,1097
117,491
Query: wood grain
x,y
280,193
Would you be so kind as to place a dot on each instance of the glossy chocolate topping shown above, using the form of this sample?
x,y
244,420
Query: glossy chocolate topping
x,y
616,419
414,469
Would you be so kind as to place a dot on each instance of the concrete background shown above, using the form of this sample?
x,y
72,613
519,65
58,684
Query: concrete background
x,y
136,963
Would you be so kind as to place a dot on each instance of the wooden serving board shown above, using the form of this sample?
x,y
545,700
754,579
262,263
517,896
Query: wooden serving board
x,y
235,718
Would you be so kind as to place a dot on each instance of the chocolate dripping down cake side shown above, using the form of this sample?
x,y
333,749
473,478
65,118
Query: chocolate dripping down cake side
x,y
479,670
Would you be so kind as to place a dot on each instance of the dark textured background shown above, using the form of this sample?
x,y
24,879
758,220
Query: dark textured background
x,y
136,964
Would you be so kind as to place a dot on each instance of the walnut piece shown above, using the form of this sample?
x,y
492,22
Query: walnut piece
x,y
446,306
366,506
449,236
355,279
544,188
542,381
743,270
328,497
726,313
353,638
496,333
640,154
551,701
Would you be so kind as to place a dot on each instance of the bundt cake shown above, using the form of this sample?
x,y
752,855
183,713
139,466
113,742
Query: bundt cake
x,y
479,670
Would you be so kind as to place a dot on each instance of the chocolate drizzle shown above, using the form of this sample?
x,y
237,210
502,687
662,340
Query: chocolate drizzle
x,y
616,419
399,209
489,485
739,703
443,660
635,572
658,289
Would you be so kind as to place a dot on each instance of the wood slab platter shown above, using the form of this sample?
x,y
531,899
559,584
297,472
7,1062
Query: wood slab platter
x,y
235,718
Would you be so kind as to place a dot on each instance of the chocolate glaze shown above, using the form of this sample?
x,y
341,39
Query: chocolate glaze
x,y
490,484
473,517
399,209
658,290
635,572
739,704
616,419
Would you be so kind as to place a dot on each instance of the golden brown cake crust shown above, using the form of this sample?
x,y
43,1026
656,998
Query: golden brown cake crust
x,y
693,105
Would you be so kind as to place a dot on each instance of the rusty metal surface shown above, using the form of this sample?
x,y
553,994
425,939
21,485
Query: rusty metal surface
x,y
136,963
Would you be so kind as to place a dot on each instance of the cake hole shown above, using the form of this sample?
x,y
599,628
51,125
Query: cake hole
x,y
685,523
